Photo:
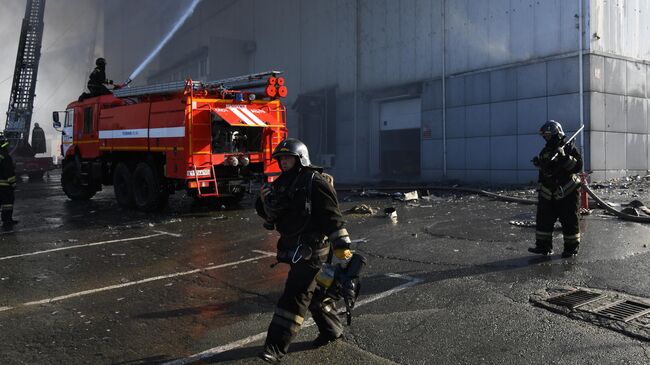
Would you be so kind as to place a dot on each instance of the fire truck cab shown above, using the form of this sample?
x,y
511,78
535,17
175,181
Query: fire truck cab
x,y
210,139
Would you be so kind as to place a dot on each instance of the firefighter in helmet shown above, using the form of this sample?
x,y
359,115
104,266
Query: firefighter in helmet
x,y
302,206
558,165
98,80
7,185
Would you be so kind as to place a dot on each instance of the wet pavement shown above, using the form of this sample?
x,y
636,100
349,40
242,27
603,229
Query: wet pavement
x,y
449,282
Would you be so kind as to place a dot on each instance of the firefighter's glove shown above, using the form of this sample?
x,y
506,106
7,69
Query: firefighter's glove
x,y
110,82
560,152
342,257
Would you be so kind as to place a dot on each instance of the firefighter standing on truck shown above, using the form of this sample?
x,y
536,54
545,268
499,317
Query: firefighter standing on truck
x,y
302,206
558,165
98,79
7,185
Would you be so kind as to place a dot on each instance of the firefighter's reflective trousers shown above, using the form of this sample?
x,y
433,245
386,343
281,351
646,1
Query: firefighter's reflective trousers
x,y
567,210
298,296
7,204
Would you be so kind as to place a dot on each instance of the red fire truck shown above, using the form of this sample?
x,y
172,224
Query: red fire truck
x,y
211,139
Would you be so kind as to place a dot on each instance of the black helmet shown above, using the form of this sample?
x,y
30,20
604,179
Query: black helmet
x,y
553,129
3,141
100,62
293,147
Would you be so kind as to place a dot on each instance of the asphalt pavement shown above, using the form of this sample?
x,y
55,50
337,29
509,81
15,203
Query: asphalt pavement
x,y
449,282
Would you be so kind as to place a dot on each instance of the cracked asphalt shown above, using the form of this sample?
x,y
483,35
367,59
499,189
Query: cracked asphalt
x,y
449,283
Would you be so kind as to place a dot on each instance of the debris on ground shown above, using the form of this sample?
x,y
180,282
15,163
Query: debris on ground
x,y
360,209
523,223
410,196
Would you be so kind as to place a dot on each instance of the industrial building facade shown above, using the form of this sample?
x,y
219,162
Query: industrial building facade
x,y
421,90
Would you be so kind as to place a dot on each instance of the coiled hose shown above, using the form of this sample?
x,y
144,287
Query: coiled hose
x,y
607,207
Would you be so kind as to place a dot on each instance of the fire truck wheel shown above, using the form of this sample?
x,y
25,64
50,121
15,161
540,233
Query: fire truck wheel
x,y
72,184
123,185
147,191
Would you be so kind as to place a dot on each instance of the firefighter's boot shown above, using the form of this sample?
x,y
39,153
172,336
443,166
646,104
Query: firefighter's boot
x,y
541,249
323,340
570,250
269,356
7,219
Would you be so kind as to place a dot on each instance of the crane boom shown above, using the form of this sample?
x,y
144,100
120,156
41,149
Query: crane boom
x,y
21,100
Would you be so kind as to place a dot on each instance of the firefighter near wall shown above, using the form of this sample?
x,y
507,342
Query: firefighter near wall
x,y
559,163
212,139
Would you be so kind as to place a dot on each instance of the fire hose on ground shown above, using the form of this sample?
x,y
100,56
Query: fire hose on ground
x,y
585,186
601,203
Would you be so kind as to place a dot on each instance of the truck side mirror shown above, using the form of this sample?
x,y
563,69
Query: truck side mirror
x,y
55,118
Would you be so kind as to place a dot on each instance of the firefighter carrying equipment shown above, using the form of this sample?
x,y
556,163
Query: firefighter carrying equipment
x,y
7,185
558,197
309,216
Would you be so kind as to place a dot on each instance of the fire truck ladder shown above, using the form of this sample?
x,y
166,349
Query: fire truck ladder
x,y
21,100
213,175
238,83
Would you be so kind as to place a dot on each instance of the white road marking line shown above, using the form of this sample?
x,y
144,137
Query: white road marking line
x,y
124,285
310,322
169,233
87,245
265,252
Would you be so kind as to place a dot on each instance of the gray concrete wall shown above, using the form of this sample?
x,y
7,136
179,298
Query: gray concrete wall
x,y
493,118
618,114
511,65
620,27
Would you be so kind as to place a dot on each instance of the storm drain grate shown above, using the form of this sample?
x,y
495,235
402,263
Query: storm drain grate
x,y
575,298
625,310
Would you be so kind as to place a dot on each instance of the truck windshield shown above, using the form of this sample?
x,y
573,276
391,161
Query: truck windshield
x,y
230,139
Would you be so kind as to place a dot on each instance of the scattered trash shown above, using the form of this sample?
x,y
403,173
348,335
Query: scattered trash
x,y
120,299
415,235
361,209
359,240
524,223
118,254
220,218
373,194
410,196
391,213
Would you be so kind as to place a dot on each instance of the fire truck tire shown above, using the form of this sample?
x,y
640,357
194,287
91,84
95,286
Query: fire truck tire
x,y
71,184
147,190
123,185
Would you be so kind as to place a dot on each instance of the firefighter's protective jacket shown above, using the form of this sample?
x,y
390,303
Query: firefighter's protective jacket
x,y
308,210
559,177
97,77
7,170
